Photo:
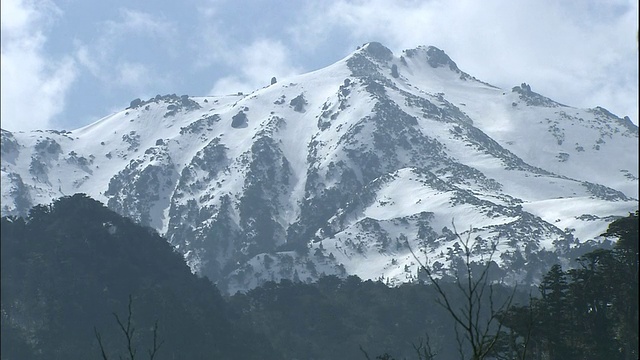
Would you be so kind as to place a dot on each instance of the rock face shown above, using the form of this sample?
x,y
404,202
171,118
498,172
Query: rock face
x,y
345,171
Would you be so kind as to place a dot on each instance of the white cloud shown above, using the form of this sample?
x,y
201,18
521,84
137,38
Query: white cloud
x,y
141,22
109,61
255,65
211,42
33,87
85,58
230,85
136,23
249,62
133,75
19,17
15,17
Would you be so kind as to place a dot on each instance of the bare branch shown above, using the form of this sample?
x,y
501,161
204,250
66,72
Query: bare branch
x,y
128,331
365,353
424,349
156,346
102,352
481,334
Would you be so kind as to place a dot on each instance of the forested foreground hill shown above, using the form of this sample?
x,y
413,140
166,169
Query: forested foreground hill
x,y
70,267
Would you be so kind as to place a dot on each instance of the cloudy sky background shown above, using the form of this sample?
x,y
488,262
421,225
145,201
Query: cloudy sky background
x,y
67,63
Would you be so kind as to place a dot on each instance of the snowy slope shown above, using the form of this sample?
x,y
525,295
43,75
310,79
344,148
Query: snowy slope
x,y
345,170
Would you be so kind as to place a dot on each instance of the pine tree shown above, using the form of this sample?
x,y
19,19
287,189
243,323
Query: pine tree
x,y
552,312
625,305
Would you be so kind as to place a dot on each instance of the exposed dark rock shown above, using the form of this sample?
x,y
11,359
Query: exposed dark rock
x,y
298,103
394,71
379,51
532,98
239,120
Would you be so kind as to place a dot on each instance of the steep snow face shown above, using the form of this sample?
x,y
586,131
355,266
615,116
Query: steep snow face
x,y
350,169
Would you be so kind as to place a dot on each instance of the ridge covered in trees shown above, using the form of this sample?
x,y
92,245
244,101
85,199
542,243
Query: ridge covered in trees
x,y
75,274
69,267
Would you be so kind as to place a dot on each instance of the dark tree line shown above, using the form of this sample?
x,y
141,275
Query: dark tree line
x,y
588,312
79,281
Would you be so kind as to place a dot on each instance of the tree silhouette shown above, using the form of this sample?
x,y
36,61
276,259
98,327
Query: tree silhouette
x,y
477,322
128,330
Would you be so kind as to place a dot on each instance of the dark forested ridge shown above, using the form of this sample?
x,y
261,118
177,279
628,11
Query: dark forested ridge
x,y
69,267
333,318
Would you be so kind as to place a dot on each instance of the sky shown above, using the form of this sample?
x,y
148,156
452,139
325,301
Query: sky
x,y
68,63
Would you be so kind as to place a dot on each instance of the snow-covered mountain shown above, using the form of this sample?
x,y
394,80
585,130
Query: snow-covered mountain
x,y
344,170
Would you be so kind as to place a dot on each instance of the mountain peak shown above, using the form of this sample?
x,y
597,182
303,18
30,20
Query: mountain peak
x,y
338,170
434,57
378,51
532,98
